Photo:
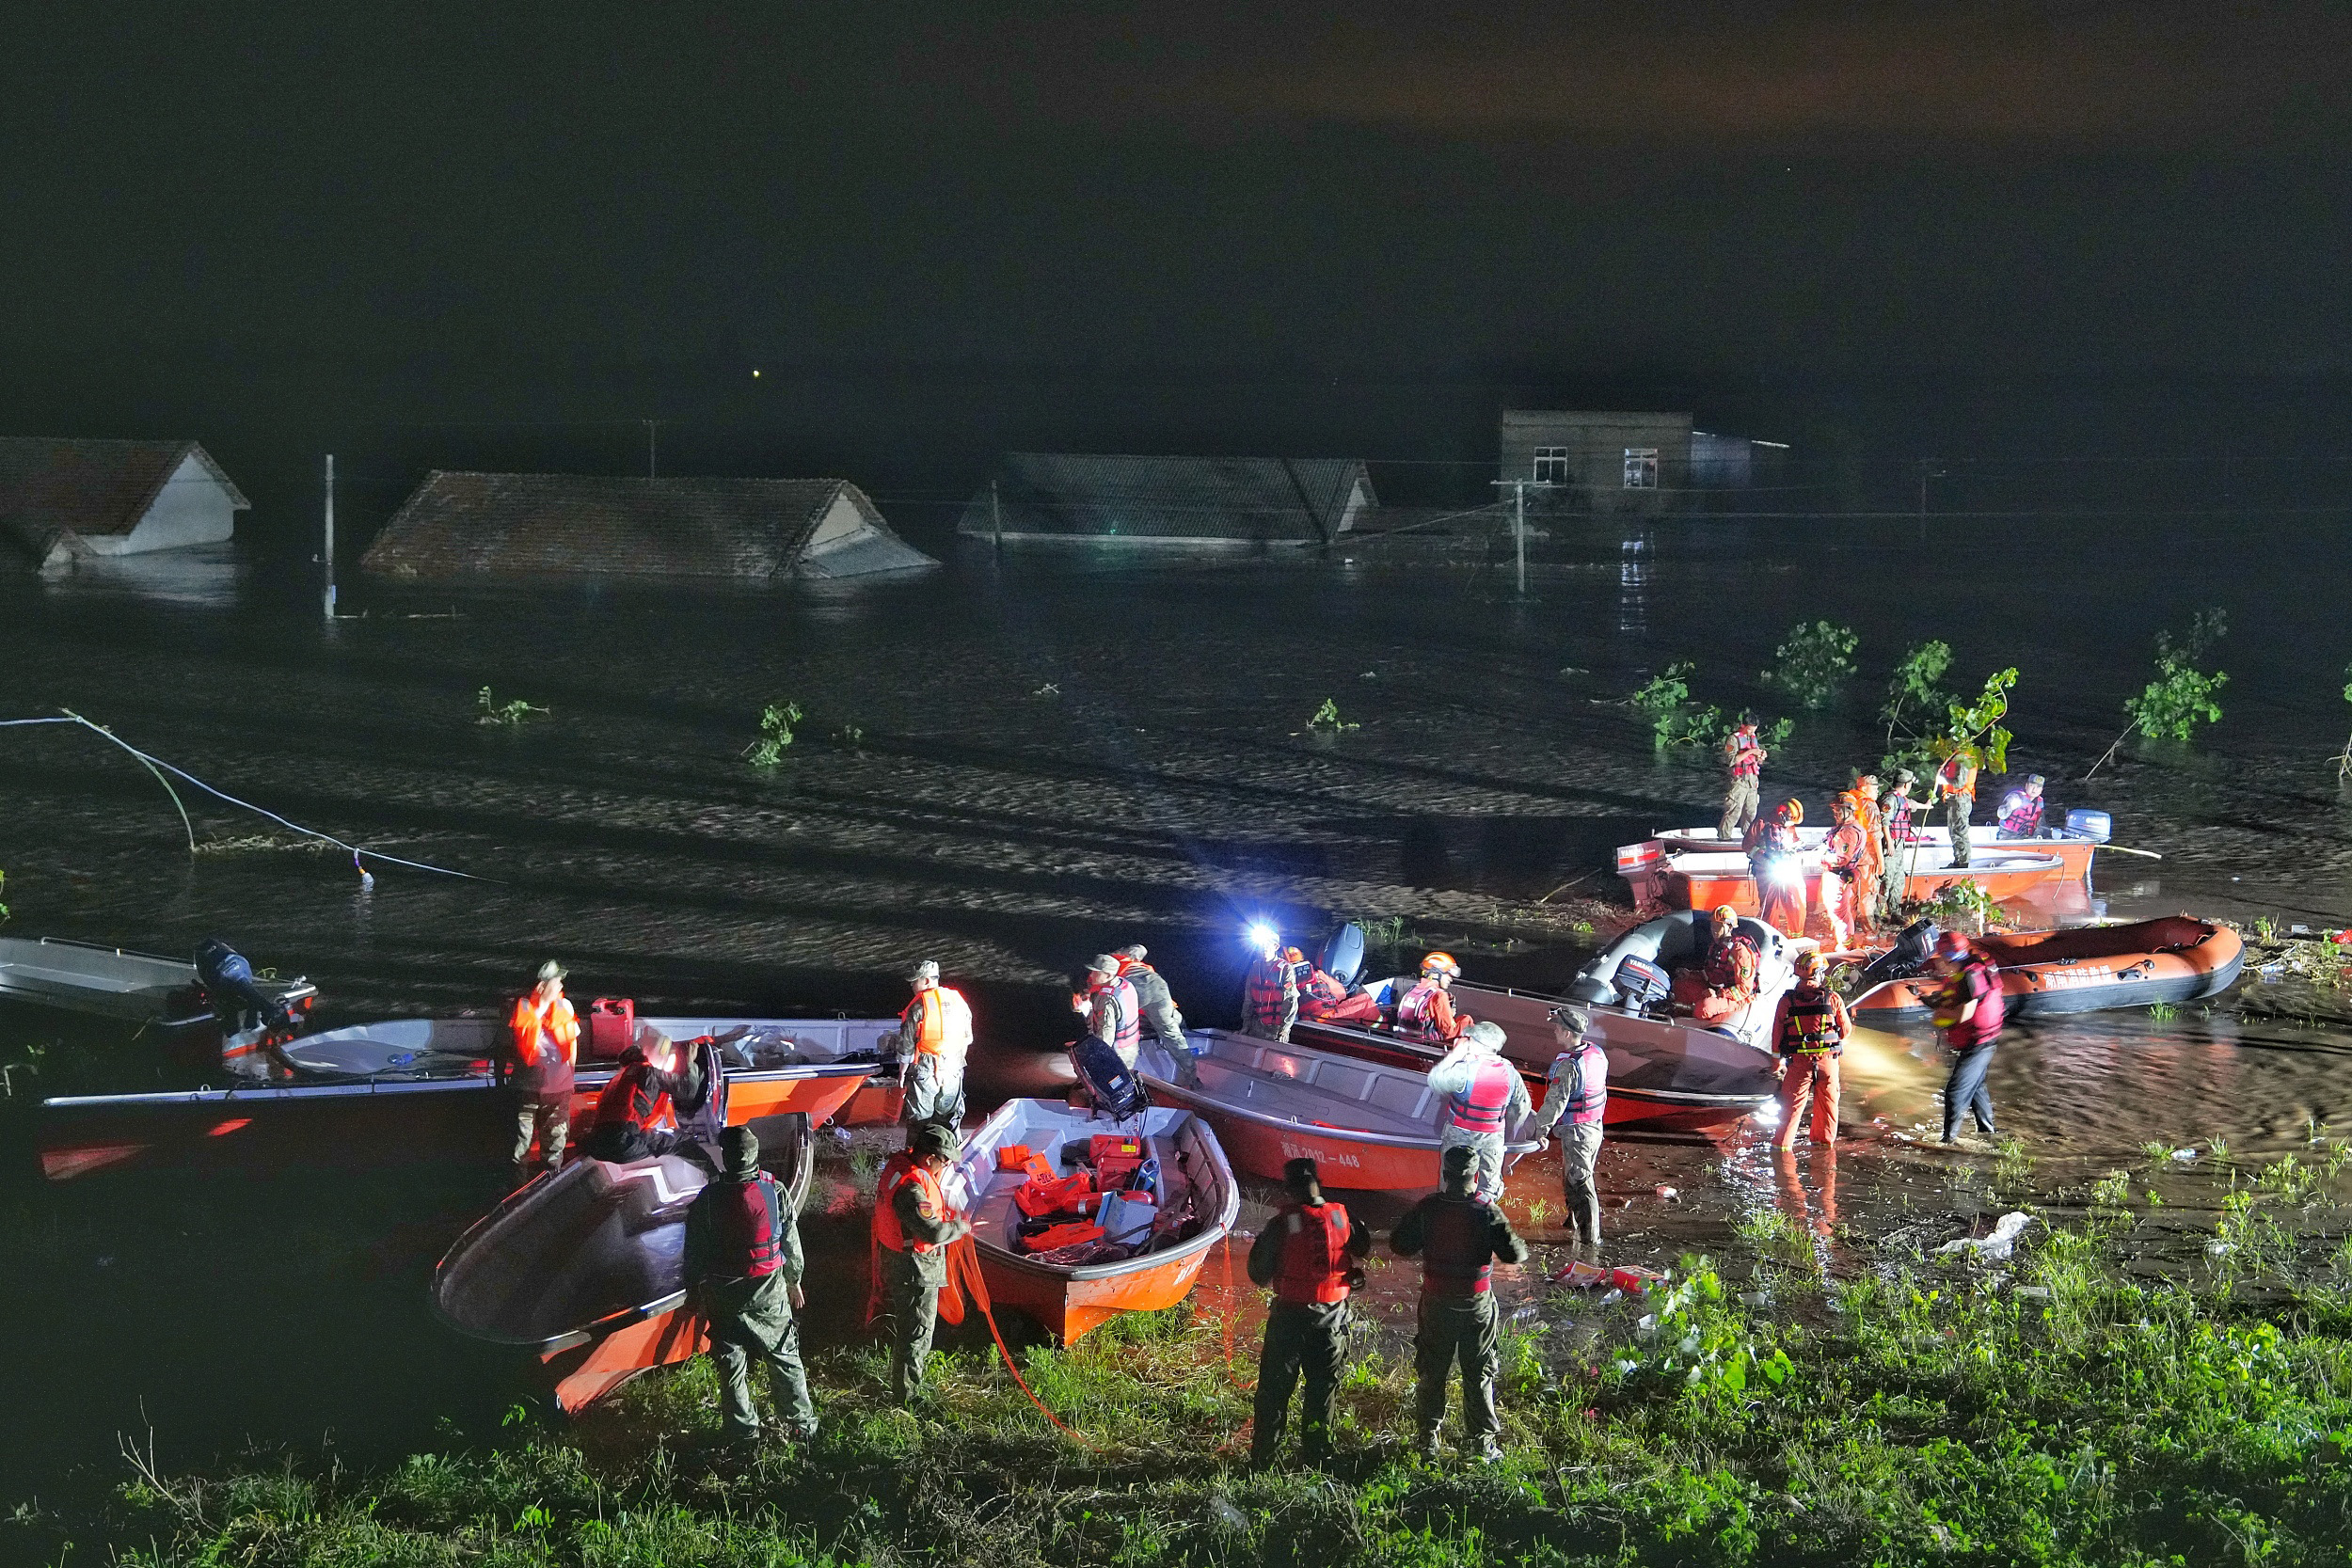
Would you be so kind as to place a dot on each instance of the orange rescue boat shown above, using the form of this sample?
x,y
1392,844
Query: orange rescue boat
x,y
2082,969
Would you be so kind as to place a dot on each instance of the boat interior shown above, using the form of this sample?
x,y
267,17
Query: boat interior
x,y
1193,1186
1314,1088
2171,934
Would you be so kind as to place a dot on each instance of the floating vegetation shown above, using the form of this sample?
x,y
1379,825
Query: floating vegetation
x,y
2163,1012
2181,696
262,844
510,714
1664,700
1328,718
1813,665
775,734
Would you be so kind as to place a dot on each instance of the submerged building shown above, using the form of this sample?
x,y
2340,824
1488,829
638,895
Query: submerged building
x,y
1627,462
63,500
1209,502
461,525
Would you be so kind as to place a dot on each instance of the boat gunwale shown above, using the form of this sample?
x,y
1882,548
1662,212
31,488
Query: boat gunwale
x,y
1694,1099
1194,1100
357,1086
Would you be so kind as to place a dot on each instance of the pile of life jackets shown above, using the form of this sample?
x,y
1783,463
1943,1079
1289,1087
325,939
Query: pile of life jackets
x,y
1107,1208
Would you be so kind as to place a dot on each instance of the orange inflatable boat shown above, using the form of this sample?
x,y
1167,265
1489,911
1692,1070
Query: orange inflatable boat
x,y
2083,970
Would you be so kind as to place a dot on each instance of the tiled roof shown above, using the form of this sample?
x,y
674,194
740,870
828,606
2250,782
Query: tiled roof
x,y
1084,496
52,485
512,524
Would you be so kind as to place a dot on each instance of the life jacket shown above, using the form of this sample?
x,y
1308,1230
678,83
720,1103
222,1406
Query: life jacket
x,y
1992,1007
896,1171
1588,1088
1725,972
2021,813
1959,775
1481,1107
631,1099
1127,1035
1261,993
1815,1023
1324,989
1457,1256
1747,756
1415,1009
943,1023
1313,1265
1842,852
557,1020
746,1228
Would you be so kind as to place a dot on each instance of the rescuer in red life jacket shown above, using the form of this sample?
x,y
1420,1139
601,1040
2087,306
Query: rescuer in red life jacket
x,y
1577,1095
1809,1032
914,1227
1743,759
636,1117
1426,1011
1482,1098
1460,1236
1269,992
1308,1253
1969,1012
1113,1013
743,1267
1725,980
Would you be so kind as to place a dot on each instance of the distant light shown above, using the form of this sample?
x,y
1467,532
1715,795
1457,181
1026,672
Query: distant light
x,y
755,376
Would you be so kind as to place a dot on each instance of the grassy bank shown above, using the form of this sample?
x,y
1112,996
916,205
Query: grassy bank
x,y
2048,1408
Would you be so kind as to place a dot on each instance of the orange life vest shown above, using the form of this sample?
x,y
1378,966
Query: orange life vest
x,y
1313,1266
557,1019
943,1023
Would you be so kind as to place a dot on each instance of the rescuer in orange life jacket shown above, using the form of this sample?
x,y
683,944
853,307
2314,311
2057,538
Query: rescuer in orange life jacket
x,y
744,1266
1774,849
1309,1254
1460,1236
1482,1096
636,1114
1845,871
543,1033
1809,1032
913,1226
1725,981
1426,1011
935,1042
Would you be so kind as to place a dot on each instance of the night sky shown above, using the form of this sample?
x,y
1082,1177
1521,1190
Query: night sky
x,y
940,229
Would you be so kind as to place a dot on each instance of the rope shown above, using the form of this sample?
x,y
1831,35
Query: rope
x,y
965,1256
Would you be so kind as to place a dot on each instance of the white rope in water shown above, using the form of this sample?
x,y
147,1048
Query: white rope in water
x,y
155,762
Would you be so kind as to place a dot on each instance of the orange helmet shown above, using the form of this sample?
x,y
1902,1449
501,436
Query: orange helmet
x,y
1791,812
1727,916
1843,806
1810,963
1442,963
1291,955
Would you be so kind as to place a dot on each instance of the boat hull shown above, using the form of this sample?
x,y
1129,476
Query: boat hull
x,y
2049,973
1071,1302
114,982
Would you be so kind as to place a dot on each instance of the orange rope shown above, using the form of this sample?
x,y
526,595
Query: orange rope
x,y
964,1255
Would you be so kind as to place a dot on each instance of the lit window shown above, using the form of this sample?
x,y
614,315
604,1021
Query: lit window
x,y
1641,468
1551,465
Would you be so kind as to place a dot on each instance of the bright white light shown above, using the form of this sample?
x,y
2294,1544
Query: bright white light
x,y
1785,871
1264,936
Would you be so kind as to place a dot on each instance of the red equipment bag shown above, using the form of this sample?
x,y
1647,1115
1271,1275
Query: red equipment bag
x,y
1116,1157
612,1025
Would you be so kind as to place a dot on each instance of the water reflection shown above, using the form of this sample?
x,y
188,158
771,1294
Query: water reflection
x,y
1633,586
208,576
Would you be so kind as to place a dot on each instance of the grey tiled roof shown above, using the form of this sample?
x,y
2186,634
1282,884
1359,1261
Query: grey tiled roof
x,y
50,485
1084,496
513,525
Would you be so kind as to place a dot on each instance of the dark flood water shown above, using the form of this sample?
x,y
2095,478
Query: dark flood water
x,y
1053,757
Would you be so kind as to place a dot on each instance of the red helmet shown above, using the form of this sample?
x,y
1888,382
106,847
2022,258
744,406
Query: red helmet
x,y
1952,945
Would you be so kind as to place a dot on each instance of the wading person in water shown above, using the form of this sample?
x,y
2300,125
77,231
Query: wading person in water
x,y
1460,1236
1809,1032
1309,1254
542,1034
1968,1011
744,1265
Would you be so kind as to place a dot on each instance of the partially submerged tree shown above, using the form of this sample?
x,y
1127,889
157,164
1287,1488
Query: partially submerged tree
x,y
1813,665
2181,697
1916,698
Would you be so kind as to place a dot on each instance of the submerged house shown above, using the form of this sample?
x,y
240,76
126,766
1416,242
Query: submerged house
x,y
64,500
1210,502
1626,462
460,525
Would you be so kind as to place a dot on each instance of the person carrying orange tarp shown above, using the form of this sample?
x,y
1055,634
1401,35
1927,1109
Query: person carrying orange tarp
x,y
1725,981
1773,859
1844,866
543,1035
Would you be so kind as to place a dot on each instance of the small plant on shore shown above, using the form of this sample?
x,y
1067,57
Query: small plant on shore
x,y
2181,696
510,715
1957,905
2163,1012
1328,718
1813,665
3,886
775,734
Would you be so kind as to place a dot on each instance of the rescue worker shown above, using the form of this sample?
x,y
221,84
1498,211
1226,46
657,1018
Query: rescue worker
x,y
1809,1032
914,1227
1309,1254
934,1043
1270,993
1162,1019
744,1265
1426,1012
1956,786
1112,1013
1895,807
1968,1011
543,1034
1725,981
1743,755
636,1114
1460,1236
2020,810
1324,998
1577,1095
1844,860
1481,1096
1867,887
1773,861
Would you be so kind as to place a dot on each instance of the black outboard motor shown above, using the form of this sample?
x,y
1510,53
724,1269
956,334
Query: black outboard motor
x,y
1641,984
1907,958
236,1003
1116,1092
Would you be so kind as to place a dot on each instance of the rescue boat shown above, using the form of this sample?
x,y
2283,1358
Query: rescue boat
x,y
1706,878
2076,852
1199,1202
2082,969
423,1090
586,1269
115,982
1665,1074
1369,1125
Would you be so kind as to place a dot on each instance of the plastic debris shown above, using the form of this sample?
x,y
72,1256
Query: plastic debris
x,y
1524,1314
1669,1194
840,1134
2039,1292
1999,1245
2185,1155
1227,1515
1756,1298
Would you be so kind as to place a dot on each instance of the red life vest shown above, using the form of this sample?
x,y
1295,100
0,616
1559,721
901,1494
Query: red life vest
x,y
746,1228
1899,819
1959,775
630,1100
1482,1107
1457,1256
2021,814
1325,990
1313,1265
1815,1023
1725,972
1588,1095
1415,1012
1262,994
1747,758
1126,1035
1977,978
897,1172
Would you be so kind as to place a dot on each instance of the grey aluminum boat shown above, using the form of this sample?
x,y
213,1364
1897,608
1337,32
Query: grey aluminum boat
x,y
113,982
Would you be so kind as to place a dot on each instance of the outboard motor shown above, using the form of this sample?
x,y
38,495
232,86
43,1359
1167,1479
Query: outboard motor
x,y
1641,984
1342,957
1908,957
226,979
1113,1086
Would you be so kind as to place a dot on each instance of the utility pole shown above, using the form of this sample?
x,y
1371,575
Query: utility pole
x,y
995,514
1925,466
652,447
1519,488
329,556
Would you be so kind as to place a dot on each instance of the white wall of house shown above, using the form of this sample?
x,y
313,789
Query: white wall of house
x,y
1359,497
192,509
